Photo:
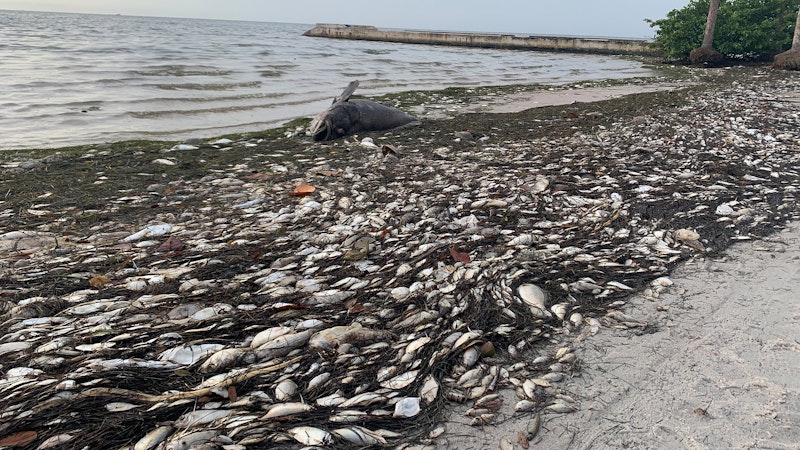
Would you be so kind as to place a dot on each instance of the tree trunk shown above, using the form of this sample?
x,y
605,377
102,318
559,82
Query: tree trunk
x,y
790,59
796,39
711,23
706,54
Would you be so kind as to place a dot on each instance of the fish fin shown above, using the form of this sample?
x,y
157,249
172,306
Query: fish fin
x,y
348,91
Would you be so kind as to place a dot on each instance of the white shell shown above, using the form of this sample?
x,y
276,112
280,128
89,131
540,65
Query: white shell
x,y
407,407
417,344
429,389
400,293
466,338
285,390
560,310
533,295
685,234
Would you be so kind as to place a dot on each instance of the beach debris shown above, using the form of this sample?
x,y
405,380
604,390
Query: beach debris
x,y
368,143
689,237
310,435
19,439
407,407
183,148
302,189
171,244
354,316
149,231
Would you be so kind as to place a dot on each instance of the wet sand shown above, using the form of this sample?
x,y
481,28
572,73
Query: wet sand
x,y
519,102
715,367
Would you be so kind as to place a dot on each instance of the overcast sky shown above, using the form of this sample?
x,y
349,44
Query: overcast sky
x,y
616,18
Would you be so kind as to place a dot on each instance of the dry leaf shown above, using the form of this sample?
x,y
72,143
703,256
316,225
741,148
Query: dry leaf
x,y
302,190
232,396
20,439
171,244
459,256
390,150
257,176
99,281
356,308
522,438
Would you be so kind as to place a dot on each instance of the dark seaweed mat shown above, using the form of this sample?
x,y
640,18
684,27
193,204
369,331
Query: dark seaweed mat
x,y
660,210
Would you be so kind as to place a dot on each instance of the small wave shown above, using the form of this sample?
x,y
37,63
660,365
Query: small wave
x,y
271,73
207,86
371,51
224,98
218,110
181,71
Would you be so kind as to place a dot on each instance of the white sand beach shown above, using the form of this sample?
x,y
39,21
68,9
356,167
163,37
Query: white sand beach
x,y
717,367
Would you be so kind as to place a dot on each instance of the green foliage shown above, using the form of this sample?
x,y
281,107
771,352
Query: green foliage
x,y
745,29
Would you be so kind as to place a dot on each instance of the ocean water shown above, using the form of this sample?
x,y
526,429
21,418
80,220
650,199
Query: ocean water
x,y
68,79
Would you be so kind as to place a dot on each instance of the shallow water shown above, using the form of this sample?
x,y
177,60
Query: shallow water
x,y
70,79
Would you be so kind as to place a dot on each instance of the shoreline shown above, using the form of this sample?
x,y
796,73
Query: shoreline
x,y
107,246
446,103
706,363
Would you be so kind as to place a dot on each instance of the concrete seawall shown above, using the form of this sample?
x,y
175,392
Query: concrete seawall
x,y
486,40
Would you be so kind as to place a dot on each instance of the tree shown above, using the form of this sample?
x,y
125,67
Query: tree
x,y
706,53
745,29
790,59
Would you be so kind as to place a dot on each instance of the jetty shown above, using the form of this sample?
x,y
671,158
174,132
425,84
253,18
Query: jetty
x,y
487,40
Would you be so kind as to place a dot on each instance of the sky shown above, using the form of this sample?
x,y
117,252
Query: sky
x,y
611,18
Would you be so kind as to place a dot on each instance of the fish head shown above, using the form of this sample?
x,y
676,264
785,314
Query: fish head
x,y
333,123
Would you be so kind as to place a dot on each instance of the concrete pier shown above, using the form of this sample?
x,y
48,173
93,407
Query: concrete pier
x,y
486,40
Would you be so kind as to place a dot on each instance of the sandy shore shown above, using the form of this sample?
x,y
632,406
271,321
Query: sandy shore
x,y
714,367
513,103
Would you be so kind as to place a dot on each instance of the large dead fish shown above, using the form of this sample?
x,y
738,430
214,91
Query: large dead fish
x,y
345,117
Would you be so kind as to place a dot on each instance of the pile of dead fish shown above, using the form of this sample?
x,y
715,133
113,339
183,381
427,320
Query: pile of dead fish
x,y
351,313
